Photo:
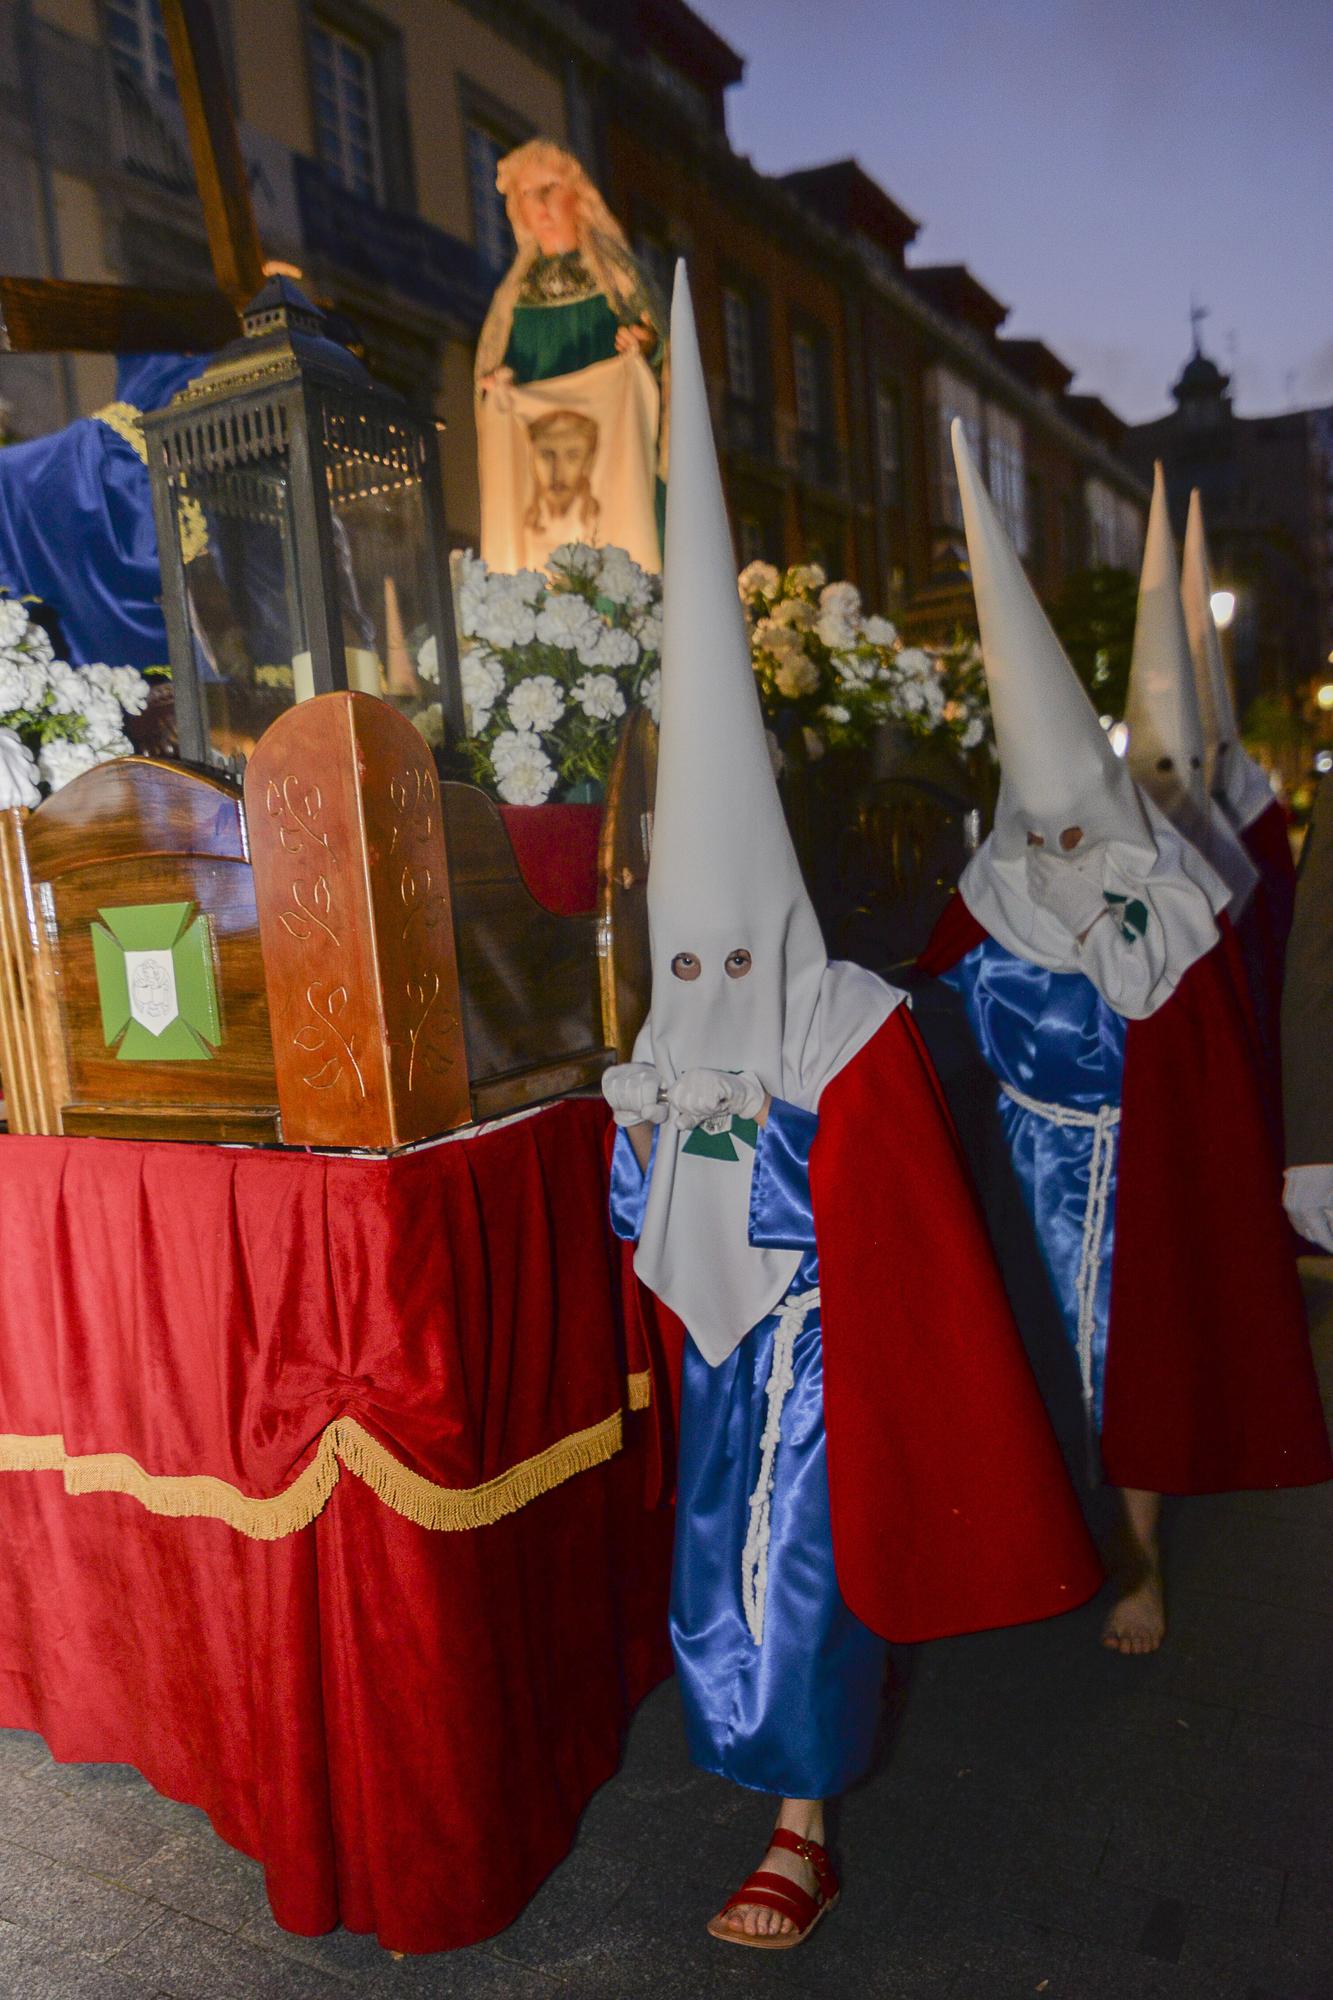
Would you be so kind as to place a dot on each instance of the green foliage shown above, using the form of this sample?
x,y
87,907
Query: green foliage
x,y
1094,621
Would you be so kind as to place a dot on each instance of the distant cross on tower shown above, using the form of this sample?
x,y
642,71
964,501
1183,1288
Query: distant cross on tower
x,y
1198,314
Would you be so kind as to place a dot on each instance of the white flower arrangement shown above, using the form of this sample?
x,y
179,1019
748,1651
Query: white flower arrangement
x,y
835,675
56,721
550,664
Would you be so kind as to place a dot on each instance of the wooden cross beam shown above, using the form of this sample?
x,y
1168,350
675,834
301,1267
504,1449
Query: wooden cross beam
x,y
49,315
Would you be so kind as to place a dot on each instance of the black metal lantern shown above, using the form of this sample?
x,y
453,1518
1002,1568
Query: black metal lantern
x,y
300,521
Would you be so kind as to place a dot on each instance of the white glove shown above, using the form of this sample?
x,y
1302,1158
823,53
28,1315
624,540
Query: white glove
x,y
634,1092
703,1094
1070,889
1307,1197
18,772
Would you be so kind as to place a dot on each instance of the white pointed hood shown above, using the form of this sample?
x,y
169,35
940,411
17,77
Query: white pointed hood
x,y
1166,743
1058,770
1235,781
724,877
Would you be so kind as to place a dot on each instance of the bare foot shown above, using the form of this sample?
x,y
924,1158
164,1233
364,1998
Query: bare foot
x,y
756,1919
1136,1622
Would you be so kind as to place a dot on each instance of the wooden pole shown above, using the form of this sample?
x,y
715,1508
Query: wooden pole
x,y
215,147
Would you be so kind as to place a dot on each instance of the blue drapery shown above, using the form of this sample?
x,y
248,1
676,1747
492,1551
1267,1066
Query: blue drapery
x,y
795,1714
1052,1036
76,525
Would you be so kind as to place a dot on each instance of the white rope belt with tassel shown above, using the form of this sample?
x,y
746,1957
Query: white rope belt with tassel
x,y
792,1315
1102,1124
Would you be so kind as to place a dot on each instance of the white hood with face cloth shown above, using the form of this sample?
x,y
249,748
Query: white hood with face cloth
x,y
1166,753
1057,771
722,879
1235,781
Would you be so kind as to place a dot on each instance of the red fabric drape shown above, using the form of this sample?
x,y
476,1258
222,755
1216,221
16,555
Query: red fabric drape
x,y
1262,931
951,1507
556,851
360,1703
1209,1381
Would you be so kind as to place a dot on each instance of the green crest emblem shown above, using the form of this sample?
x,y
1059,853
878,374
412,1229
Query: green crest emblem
x,y
1132,916
716,1145
154,964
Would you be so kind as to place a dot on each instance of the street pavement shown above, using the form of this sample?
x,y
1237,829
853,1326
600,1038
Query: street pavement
x,y
1044,1819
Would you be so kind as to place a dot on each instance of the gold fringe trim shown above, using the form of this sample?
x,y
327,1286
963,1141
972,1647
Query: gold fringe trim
x,y
344,1444
127,423
639,1390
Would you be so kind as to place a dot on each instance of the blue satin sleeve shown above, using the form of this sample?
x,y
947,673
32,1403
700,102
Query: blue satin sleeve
x,y
781,1214
629,1186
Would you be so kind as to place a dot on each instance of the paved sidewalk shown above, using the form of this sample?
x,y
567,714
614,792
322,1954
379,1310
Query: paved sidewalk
x,y
1047,1819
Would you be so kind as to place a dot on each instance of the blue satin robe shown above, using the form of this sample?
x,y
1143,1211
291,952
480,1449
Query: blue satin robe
x,y
76,525
795,1715
1052,1036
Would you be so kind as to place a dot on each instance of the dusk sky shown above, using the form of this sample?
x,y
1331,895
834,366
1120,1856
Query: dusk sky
x,y
1092,163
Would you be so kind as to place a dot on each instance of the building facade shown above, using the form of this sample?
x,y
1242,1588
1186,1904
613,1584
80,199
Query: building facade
x,y
1267,490
371,134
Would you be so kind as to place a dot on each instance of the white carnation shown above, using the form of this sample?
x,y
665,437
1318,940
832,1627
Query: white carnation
x,y
797,674
599,697
13,623
650,693
428,659
613,647
835,713
22,683
856,669
777,638
622,580
469,581
806,576
18,772
794,611
759,579
568,621
430,721
837,631
508,746
879,632
843,600
506,616
576,559
649,630
912,660
536,703
973,734
60,760
483,678
529,776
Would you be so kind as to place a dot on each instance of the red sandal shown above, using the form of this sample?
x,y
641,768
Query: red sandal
x,y
789,1899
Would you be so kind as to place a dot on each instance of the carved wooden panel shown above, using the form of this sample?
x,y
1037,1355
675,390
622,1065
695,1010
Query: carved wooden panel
x,y
352,881
624,960
128,921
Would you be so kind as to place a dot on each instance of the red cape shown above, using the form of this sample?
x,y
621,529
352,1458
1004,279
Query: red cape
x,y
1209,1381
950,1504
1262,930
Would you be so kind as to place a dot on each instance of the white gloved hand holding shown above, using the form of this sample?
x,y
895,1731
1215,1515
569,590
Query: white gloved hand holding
x,y
703,1094
18,772
1070,888
634,1092
1307,1196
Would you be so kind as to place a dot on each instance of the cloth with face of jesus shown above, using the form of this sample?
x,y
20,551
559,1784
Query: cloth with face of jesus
x,y
570,458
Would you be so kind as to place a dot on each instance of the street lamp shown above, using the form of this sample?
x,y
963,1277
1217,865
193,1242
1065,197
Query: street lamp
x,y
1223,603
300,522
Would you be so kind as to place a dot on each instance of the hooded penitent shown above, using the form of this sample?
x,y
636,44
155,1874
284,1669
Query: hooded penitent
x,y
1166,736
1235,780
1058,772
724,881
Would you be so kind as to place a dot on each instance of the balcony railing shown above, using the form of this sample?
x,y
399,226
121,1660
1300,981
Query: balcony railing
x,y
398,252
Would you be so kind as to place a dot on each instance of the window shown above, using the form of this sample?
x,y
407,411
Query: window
x,y
808,377
486,147
347,126
1004,473
951,397
738,325
889,444
138,41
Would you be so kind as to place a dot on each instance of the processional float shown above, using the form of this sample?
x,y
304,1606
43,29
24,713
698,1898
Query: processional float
x,y
299,933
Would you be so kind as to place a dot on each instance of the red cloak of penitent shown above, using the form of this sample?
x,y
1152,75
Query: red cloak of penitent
x,y
1210,1386
950,1504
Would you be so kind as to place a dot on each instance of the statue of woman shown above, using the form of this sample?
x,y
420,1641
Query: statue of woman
x,y
574,332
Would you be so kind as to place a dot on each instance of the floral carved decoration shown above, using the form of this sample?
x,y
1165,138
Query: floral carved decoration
x,y
324,1036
